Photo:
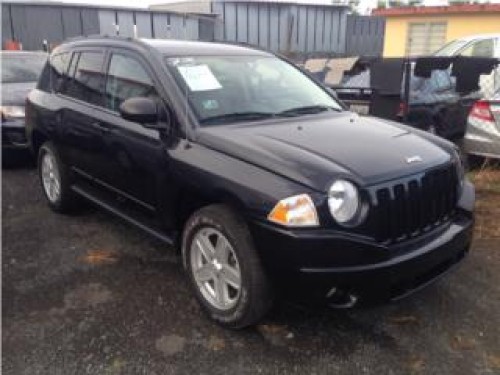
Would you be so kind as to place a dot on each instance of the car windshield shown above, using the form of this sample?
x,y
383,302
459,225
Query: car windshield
x,y
21,68
451,48
226,89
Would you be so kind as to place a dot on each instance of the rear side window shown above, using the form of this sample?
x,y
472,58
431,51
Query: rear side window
x,y
127,78
482,48
86,77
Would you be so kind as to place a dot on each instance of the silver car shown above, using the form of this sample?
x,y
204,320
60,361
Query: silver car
x,y
20,72
482,137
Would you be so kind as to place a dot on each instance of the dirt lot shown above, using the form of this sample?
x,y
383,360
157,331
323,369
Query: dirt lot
x,y
87,294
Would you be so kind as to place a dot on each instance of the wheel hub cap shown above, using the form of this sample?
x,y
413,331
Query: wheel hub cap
x,y
215,268
50,177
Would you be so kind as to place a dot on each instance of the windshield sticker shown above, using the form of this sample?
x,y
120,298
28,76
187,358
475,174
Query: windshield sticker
x,y
210,104
175,61
199,78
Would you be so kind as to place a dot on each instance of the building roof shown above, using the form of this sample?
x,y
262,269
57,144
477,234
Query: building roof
x,y
437,10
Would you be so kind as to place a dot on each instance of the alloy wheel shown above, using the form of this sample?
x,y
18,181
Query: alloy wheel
x,y
215,268
51,177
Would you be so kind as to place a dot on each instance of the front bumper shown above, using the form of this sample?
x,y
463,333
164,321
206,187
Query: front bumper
x,y
310,263
482,144
14,135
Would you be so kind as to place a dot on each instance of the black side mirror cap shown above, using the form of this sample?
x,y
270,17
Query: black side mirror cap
x,y
144,111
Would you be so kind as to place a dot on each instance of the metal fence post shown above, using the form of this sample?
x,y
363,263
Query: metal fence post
x,y
406,91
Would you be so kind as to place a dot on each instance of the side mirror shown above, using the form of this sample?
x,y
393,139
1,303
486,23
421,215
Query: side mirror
x,y
144,111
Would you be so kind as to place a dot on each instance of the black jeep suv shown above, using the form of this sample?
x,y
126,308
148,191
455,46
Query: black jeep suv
x,y
254,171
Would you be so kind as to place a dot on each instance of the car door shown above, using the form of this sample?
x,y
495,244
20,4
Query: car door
x,y
137,161
81,135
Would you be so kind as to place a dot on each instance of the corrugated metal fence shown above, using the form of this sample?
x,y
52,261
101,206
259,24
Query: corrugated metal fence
x,y
365,35
281,27
31,24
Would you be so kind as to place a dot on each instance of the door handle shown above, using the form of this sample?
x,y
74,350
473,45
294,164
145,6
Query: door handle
x,y
99,125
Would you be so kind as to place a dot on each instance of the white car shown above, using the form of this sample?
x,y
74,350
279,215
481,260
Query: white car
x,y
481,45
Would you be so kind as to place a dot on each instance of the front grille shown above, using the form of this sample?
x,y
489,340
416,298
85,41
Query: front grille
x,y
408,208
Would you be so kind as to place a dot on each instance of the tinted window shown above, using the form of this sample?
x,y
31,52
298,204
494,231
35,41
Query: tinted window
x,y
88,80
451,48
483,48
17,68
58,66
127,79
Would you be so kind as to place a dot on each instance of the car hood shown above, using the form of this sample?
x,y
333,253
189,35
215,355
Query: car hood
x,y
16,93
315,150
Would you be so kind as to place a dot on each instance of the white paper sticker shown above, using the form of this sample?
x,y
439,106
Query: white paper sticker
x,y
199,78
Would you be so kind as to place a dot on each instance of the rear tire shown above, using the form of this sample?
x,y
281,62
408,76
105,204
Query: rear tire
x,y
55,180
245,305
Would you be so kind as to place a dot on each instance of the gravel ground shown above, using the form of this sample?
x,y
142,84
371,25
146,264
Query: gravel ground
x,y
88,294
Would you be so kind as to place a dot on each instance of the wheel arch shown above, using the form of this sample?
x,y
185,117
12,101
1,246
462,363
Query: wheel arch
x,y
189,201
38,138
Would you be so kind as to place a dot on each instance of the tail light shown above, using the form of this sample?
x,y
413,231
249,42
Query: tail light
x,y
401,110
481,110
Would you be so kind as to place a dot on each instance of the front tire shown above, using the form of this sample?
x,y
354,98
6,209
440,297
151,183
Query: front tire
x,y
55,180
224,268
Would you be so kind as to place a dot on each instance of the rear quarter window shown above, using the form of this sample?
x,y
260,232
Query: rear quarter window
x,y
54,72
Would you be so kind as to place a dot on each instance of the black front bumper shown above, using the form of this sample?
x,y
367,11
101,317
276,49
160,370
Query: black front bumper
x,y
14,135
309,263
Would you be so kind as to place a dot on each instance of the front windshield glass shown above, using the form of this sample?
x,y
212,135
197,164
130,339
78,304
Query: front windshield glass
x,y
450,49
224,89
22,68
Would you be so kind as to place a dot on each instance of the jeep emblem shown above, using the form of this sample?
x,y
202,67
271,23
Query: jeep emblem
x,y
414,159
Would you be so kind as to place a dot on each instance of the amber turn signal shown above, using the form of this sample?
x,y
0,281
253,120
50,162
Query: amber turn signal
x,y
296,211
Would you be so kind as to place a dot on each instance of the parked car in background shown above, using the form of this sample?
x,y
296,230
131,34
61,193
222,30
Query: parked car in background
x,y
20,73
252,169
435,105
481,45
483,129
442,110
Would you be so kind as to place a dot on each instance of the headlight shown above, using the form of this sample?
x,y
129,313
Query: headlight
x,y
12,111
296,211
344,202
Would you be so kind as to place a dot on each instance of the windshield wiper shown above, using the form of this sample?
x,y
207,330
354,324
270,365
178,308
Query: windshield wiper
x,y
238,116
307,110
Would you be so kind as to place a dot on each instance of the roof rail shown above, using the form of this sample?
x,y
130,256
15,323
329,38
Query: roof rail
x,y
103,36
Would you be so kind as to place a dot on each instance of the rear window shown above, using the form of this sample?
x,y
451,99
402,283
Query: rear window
x,y
22,68
87,82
